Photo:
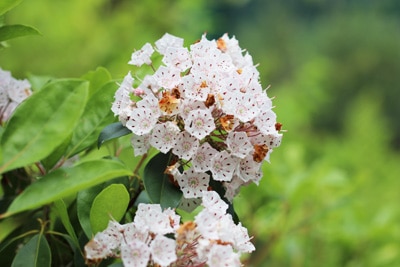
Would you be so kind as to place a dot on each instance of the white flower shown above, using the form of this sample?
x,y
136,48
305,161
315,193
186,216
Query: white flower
x,y
151,217
193,183
201,160
164,136
122,95
177,57
223,166
199,123
241,105
167,41
142,56
135,253
239,144
163,250
220,255
140,144
167,78
186,146
141,121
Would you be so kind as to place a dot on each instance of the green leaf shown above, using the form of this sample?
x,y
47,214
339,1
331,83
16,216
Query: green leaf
x,y
111,203
8,225
61,209
42,123
97,79
112,131
8,32
6,5
35,253
96,116
158,186
64,182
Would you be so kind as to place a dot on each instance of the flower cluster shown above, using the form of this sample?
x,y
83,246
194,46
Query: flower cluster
x,y
206,106
212,239
12,93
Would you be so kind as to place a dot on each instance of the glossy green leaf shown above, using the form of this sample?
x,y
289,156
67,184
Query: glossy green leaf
x,y
112,131
96,116
158,186
6,5
61,209
42,123
111,203
35,253
97,78
8,32
66,181
8,225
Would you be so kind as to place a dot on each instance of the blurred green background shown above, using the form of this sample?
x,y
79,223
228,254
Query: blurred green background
x,y
331,195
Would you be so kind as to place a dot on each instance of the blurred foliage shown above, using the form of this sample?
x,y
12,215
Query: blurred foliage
x,y
330,196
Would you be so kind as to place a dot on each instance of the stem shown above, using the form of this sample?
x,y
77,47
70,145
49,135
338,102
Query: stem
x,y
136,171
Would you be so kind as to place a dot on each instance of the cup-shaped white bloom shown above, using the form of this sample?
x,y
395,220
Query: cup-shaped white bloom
x,y
167,41
221,255
177,57
199,123
167,78
239,144
140,144
122,95
163,250
151,217
223,166
213,202
201,160
241,105
142,56
164,136
186,146
135,253
265,121
249,170
193,183
141,121
242,240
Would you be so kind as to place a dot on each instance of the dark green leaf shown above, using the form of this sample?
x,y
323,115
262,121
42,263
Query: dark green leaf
x,y
64,182
96,116
8,32
111,203
35,253
62,212
42,123
158,186
112,131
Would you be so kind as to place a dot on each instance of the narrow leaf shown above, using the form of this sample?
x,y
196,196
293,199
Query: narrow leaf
x,y
42,122
6,5
96,116
8,32
35,253
111,203
64,182
112,131
61,209
158,186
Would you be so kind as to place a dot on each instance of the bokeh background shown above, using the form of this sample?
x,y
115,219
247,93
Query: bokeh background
x,y
331,195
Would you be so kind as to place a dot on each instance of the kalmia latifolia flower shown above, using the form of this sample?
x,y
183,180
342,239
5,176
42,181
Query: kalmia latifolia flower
x,y
205,105
12,93
156,238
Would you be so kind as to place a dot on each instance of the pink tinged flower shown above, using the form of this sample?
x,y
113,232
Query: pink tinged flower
x,y
265,122
163,250
223,166
151,217
135,253
140,144
223,255
167,41
201,161
186,146
164,136
142,56
131,231
167,78
177,57
241,239
199,123
241,105
249,170
239,144
193,183
141,121
122,95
